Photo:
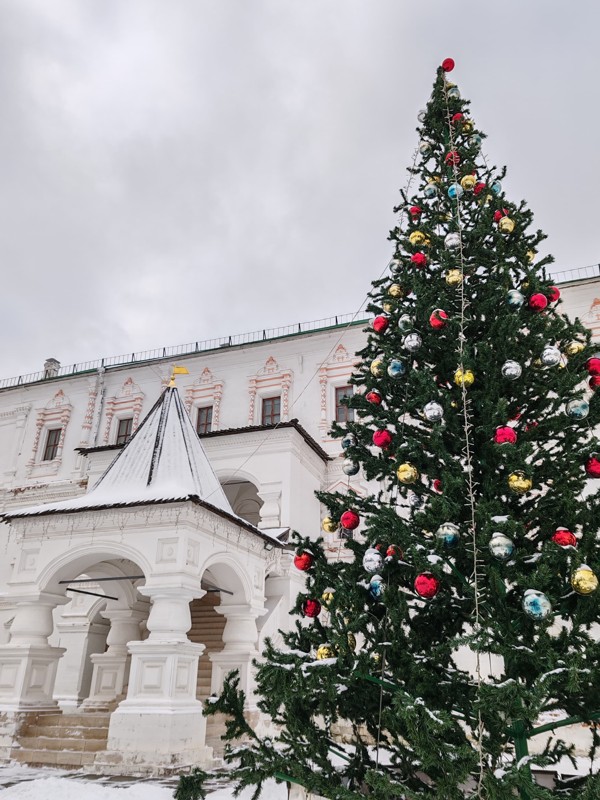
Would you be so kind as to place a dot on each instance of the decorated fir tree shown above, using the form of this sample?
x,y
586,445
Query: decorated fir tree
x,y
465,610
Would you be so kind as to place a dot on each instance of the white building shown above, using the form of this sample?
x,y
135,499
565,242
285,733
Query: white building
x,y
112,592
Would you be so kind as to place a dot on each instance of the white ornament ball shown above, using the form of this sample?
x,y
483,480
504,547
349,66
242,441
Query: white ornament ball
x,y
452,241
511,370
551,356
372,560
433,411
412,342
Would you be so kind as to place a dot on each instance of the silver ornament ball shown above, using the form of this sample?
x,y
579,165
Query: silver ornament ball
x,y
536,605
348,441
577,409
433,411
452,241
501,546
350,467
372,560
551,356
405,322
511,370
412,342
448,534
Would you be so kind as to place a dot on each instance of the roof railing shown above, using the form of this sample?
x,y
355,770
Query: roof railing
x,y
565,276
189,349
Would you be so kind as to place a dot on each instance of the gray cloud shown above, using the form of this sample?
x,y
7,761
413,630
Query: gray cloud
x,y
174,171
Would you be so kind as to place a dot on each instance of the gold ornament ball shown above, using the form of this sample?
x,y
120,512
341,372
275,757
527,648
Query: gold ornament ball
x,y
375,658
468,183
416,238
583,580
454,277
464,377
506,225
377,368
407,473
396,290
467,126
519,483
325,651
327,597
574,347
436,178
352,641
329,525
537,363
388,307
531,255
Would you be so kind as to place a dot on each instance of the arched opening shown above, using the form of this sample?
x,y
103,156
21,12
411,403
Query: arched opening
x,y
103,613
243,498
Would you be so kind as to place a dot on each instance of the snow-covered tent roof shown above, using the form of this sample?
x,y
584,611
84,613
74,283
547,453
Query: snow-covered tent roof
x,y
163,462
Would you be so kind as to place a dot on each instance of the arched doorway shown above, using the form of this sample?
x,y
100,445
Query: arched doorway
x,y
243,498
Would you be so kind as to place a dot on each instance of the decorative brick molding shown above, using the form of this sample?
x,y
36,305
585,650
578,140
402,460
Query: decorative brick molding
x,y
205,391
336,371
56,414
88,419
128,403
268,382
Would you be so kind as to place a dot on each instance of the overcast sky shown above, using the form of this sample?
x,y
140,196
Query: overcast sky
x,y
175,170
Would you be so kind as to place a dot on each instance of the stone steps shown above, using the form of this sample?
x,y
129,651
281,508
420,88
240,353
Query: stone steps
x,y
207,629
52,758
61,740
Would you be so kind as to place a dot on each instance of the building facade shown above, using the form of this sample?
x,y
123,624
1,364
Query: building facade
x,y
126,600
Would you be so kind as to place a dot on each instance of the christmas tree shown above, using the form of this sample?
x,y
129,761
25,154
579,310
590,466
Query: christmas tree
x,y
463,613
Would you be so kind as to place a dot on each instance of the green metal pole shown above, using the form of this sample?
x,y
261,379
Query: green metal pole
x,y
519,732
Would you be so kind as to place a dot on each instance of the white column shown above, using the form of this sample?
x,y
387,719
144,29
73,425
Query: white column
x,y
28,663
80,638
270,511
240,640
160,723
111,669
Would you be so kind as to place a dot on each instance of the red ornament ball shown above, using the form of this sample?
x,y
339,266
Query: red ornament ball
x,y
394,551
452,158
427,585
311,608
380,324
303,561
478,188
415,211
593,365
458,117
538,301
592,467
382,438
437,486
419,259
564,538
438,319
349,520
499,214
448,64
594,382
374,397
554,294
505,435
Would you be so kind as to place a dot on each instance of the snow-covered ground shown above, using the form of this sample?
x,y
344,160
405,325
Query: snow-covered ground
x,y
21,783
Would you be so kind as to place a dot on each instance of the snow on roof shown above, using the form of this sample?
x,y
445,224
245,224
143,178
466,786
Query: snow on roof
x,y
164,461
